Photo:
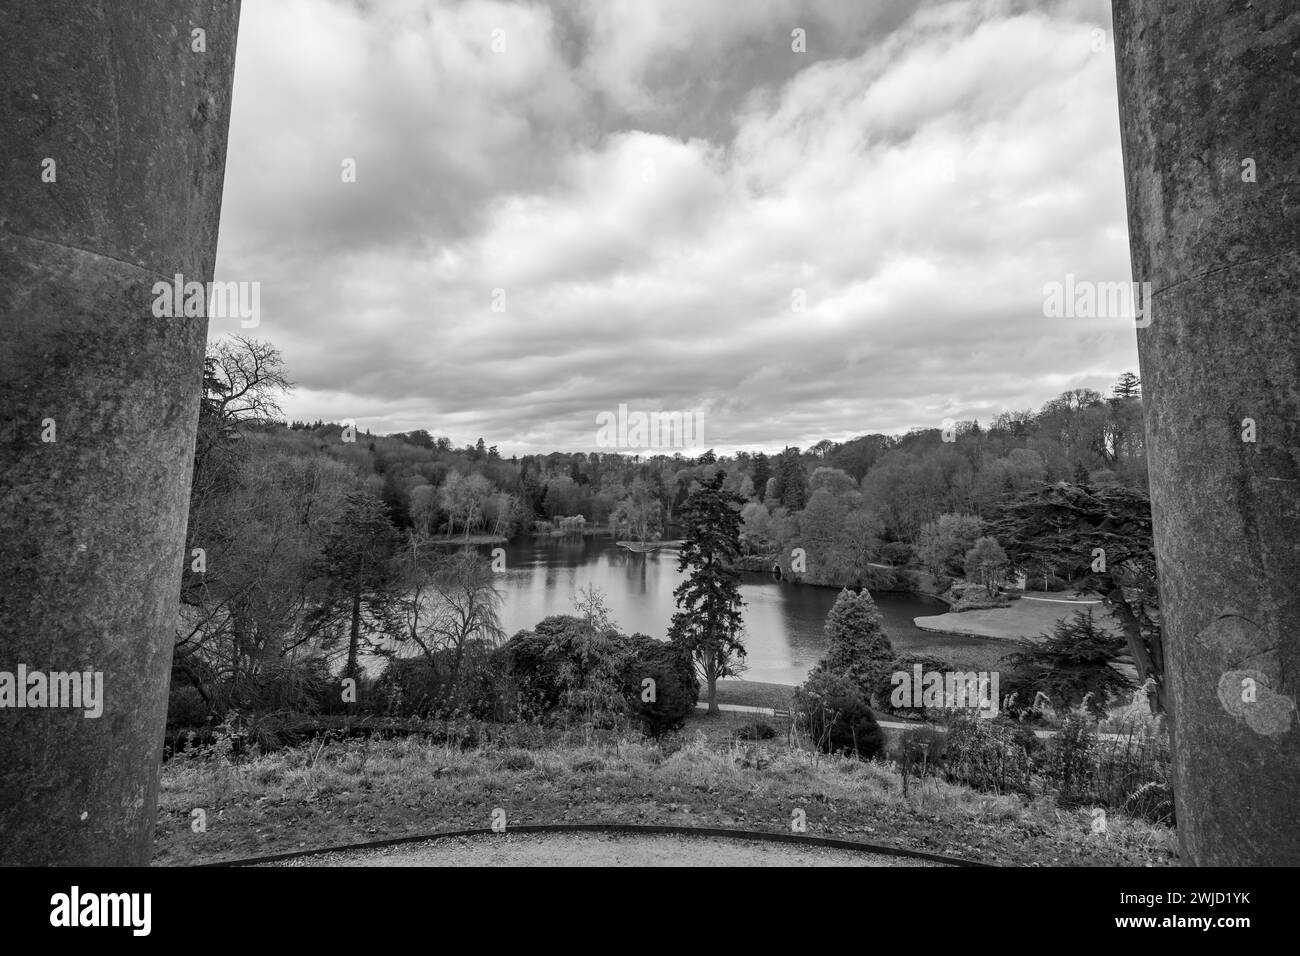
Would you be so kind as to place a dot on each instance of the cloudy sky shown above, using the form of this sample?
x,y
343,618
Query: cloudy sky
x,y
564,207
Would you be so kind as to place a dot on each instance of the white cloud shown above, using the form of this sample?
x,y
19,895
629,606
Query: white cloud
x,y
919,185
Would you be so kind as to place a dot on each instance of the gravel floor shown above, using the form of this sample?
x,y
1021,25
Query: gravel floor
x,y
600,849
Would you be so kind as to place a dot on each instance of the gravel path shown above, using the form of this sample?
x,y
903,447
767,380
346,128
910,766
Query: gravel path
x,y
600,849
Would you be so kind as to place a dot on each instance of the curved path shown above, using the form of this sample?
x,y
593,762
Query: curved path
x,y
609,844
601,849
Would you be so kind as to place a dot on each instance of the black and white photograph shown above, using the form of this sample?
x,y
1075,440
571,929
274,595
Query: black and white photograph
x,y
650,434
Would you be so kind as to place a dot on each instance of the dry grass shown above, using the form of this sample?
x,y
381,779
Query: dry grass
x,y
327,794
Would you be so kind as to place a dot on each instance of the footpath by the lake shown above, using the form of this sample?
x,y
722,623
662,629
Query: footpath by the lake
x,y
761,699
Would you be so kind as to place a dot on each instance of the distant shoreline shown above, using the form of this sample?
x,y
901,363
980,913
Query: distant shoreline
x,y
644,547
472,539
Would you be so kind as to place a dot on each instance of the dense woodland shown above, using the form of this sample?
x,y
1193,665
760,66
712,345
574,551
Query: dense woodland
x,y
312,544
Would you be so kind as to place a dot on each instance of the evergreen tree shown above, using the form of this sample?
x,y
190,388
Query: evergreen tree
x,y
1101,540
762,472
1128,386
792,482
1071,663
857,646
708,624
356,577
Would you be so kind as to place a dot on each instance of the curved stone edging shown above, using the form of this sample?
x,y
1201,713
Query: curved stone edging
x,y
629,828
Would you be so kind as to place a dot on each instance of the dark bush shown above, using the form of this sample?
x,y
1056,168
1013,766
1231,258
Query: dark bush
x,y
410,687
835,718
756,731
676,687
185,706
898,553
882,683
565,664
531,663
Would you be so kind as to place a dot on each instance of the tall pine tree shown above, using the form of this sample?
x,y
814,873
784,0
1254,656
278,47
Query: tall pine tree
x,y
356,576
708,624
791,481
1128,386
762,472
857,646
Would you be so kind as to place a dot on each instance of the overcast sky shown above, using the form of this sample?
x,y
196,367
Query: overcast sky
x,y
651,182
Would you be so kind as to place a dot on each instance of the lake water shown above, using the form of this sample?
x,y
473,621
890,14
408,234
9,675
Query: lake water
x,y
783,622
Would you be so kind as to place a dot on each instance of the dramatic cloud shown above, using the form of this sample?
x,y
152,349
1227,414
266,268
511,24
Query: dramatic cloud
x,y
558,209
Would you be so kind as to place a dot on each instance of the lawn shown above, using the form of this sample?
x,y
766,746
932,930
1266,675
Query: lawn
x,y
1029,618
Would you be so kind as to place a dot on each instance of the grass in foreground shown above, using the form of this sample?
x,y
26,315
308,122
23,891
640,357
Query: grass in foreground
x,y
327,794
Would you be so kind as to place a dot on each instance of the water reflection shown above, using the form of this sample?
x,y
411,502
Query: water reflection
x,y
783,621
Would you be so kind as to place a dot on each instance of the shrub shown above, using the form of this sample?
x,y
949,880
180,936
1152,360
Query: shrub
x,y
756,731
532,667
590,664
566,664
898,553
987,754
366,699
881,688
676,686
832,713
409,687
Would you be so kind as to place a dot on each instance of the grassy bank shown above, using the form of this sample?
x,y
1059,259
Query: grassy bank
x,y
325,794
470,539
752,693
1029,618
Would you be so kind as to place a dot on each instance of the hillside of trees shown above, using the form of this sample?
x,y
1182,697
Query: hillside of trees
x,y
306,540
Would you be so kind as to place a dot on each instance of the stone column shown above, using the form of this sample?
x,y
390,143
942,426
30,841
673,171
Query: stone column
x,y
1209,94
114,120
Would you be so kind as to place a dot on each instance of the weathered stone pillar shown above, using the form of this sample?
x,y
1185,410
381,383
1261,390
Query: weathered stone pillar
x,y
114,120
1209,94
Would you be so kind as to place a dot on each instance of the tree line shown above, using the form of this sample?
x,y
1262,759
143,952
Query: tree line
x,y
308,542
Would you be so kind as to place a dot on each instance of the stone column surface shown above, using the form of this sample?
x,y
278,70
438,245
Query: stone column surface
x,y
1209,100
114,128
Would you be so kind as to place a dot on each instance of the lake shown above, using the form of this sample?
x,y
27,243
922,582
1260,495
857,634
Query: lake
x,y
783,621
